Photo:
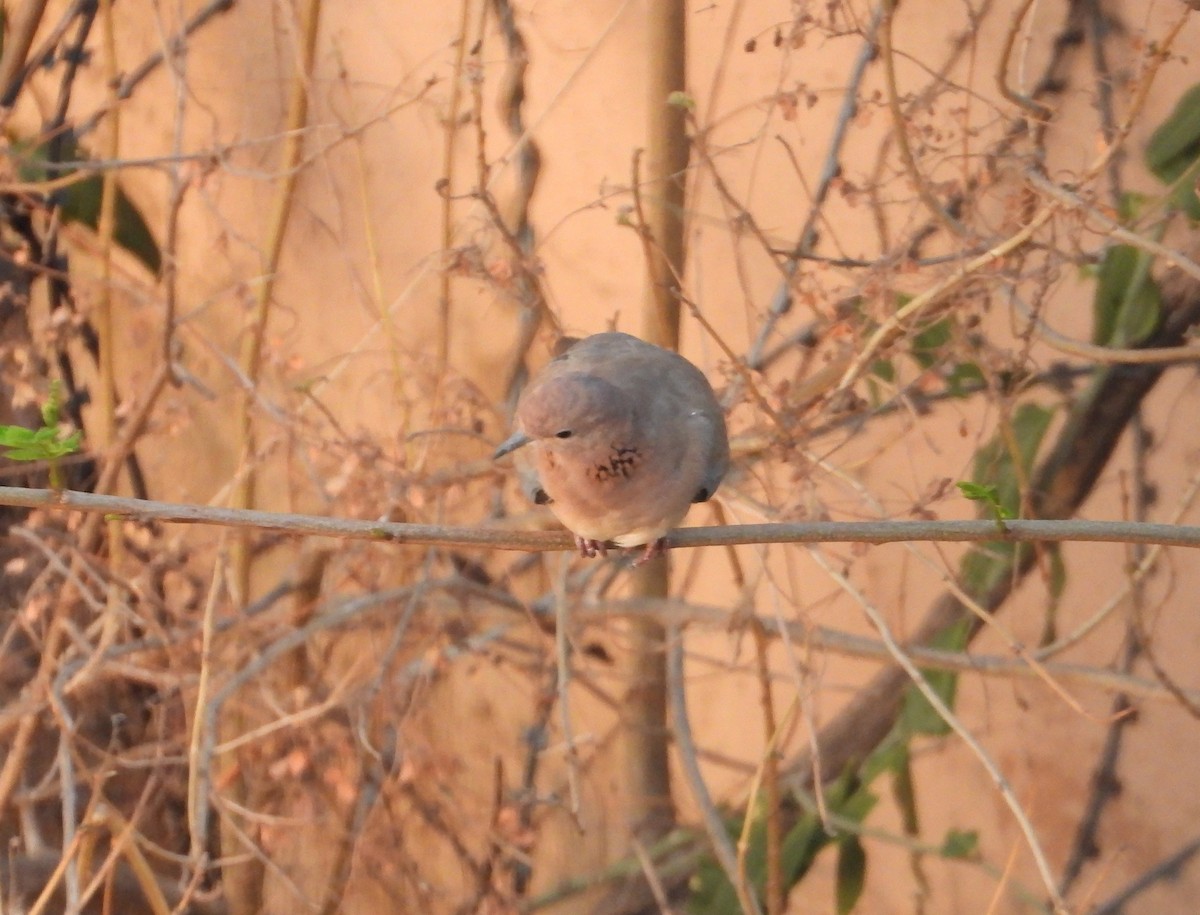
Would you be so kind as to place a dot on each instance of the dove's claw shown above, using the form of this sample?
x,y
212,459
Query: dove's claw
x,y
653,549
589,549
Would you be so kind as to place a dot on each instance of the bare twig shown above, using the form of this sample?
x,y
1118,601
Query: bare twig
x,y
18,38
714,825
781,301
128,83
1166,869
900,127
943,710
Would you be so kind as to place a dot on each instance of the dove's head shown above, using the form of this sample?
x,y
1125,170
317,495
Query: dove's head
x,y
572,412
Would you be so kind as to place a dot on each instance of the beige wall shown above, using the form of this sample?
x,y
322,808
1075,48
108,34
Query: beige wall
x,y
364,240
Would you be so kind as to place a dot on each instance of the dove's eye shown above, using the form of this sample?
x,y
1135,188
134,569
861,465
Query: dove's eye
x,y
565,433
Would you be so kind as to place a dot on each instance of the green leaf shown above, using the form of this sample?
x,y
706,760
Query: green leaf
x,y
1057,584
857,804
799,848
1173,153
81,202
1127,305
65,446
994,462
988,495
44,444
1176,142
927,345
985,563
917,715
890,756
965,375
711,892
682,100
1131,205
52,408
995,470
1058,571
960,845
904,791
883,368
850,799
15,436
851,874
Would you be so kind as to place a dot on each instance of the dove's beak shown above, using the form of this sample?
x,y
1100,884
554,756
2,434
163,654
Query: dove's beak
x,y
511,444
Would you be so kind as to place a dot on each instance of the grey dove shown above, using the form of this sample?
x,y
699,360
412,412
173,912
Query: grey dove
x,y
624,436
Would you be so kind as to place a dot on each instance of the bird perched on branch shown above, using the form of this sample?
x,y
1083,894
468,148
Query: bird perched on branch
x,y
624,437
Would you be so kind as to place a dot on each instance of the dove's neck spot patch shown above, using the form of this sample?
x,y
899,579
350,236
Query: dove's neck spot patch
x,y
622,461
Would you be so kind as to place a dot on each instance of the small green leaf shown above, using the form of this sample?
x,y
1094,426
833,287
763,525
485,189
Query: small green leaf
x,y
994,461
927,345
959,844
987,496
682,100
883,368
1131,206
851,874
52,408
1057,584
711,891
981,492
44,444
965,375
904,791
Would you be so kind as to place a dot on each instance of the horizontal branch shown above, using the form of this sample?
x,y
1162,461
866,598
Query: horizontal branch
x,y
539,541
672,612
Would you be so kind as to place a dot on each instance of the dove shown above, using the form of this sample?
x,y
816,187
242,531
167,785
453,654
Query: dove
x,y
624,436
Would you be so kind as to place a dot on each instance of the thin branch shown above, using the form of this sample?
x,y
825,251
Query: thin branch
x,y
1111,227
939,705
263,659
714,826
971,531
781,301
1030,105
823,638
1167,869
22,25
125,86
921,306
900,124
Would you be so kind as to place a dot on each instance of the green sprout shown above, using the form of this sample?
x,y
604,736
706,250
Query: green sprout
x,y
47,443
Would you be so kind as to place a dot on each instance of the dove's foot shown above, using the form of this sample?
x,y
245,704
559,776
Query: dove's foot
x,y
653,549
590,549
